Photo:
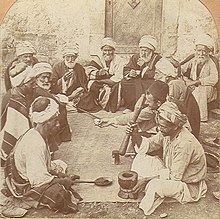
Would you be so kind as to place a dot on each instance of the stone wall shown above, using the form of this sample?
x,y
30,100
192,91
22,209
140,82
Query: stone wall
x,y
183,20
50,24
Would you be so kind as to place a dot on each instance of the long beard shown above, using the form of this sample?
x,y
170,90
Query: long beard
x,y
108,58
201,60
70,64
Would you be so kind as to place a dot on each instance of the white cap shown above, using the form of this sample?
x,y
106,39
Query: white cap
x,y
206,40
108,41
148,41
42,67
71,50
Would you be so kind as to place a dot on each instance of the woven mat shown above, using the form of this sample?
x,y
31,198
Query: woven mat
x,y
89,155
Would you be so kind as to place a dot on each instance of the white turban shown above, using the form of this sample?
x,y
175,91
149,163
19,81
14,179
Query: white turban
x,y
22,78
170,112
108,41
42,116
206,40
71,50
166,67
148,41
25,48
42,67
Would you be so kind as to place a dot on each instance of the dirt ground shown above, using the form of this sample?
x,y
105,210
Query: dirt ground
x,y
207,207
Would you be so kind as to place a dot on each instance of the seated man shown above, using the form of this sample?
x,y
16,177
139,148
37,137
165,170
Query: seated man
x,y
69,76
179,93
42,72
28,168
181,174
202,74
139,72
21,65
156,94
104,74
15,114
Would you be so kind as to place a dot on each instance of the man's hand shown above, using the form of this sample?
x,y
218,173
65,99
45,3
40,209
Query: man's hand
x,y
171,99
68,75
76,93
193,83
131,127
140,186
102,72
67,182
133,73
106,122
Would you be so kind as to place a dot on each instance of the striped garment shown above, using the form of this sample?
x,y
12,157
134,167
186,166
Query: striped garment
x,y
16,121
28,177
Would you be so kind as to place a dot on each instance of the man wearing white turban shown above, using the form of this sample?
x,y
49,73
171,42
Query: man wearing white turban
x,y
21,65
201,74
29,167
68,76
43,72
105,74
179,93
14,114
139,72
182,171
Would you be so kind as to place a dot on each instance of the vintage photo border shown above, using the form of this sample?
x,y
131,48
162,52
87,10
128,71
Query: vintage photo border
x,y
212,5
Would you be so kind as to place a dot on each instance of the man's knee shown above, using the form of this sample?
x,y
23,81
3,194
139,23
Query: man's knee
x,y
154,184
157,186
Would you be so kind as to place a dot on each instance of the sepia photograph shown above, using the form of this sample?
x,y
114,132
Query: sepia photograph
x,y
110,109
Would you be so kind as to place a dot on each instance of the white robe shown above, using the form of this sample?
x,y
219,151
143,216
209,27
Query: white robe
x,y
206,92
181,174
32,159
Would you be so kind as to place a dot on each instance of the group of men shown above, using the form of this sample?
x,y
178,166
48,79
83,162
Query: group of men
x,y
34,118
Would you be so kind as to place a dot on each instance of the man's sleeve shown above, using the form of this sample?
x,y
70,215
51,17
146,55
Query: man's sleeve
x,y
186,69
150,144
124,119
212,79
93,68
118,70
144,116
81,77
181,159
56,85
132,64
55,73
36,166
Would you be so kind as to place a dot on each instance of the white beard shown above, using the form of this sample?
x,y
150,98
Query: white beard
x,y
201,60
45,86
70,64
